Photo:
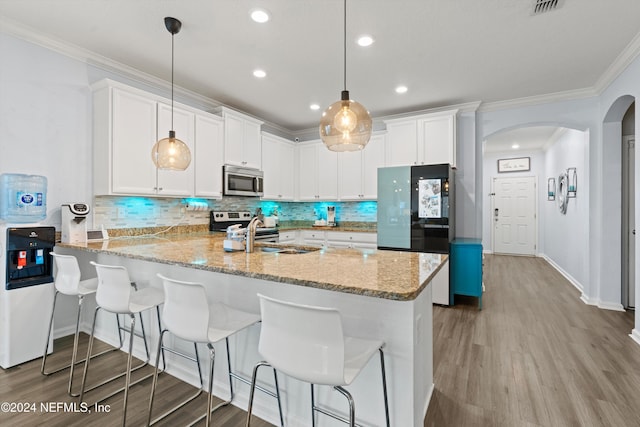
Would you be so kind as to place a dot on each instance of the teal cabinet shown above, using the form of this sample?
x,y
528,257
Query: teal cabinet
x,y
466,269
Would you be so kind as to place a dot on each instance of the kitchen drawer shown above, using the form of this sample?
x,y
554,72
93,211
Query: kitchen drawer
x,y
354,239
290,236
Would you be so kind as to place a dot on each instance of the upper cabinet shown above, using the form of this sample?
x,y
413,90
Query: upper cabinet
x,y
317,172
422,140
209,146
127,122
278,165
358,170
242,139
176,183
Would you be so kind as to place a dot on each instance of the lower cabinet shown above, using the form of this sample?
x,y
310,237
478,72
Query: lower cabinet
x,y
290,237
466,269
336,239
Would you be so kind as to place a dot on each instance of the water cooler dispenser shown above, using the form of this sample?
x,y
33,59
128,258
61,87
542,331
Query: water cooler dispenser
x,y
26,297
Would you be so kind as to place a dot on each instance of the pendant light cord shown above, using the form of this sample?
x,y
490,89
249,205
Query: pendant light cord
x,y
172,61
345,44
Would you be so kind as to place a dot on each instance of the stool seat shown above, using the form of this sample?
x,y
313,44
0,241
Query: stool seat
x,y
357,353
84,288
144,299
225,321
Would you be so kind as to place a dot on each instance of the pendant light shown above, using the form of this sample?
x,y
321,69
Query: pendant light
x,y
171,153
346,124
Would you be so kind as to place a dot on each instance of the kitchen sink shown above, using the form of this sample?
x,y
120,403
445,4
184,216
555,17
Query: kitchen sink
x,y
289,250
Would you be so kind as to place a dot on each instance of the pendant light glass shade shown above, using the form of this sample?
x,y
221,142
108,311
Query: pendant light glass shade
x,y
346,125
171,153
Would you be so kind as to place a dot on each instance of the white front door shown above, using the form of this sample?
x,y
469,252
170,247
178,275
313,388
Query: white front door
x,y
514,215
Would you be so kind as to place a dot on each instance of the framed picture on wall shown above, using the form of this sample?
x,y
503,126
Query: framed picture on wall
x,y
517,164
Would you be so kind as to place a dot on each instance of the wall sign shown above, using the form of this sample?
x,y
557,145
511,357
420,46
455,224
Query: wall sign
x,y
518,164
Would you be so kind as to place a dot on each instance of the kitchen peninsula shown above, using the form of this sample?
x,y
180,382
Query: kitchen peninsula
x,y
380,294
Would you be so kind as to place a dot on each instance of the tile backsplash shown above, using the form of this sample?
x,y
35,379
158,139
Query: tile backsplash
x,y
139,212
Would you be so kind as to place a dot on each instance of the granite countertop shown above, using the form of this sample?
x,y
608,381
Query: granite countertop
x,y
394,275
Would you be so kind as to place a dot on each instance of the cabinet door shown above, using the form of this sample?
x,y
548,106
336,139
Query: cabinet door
x,y
176,183
233,140
287,171
134,134
402,138
372,158
209,147
438,140
270,167
307,172
350,175
252,145
327,173
278,167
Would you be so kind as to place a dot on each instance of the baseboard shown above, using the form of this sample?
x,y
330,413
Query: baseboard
x,y
635,335
428,401
610,306
566,275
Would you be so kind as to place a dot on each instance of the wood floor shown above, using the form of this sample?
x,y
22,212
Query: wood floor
x,y
534,356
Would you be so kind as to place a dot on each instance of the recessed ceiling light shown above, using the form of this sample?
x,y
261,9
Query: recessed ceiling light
x,y
365,41
515,146
401,89
260,15
259,74
314,107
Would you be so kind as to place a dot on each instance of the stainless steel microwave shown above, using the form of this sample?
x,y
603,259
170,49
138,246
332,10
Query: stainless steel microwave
x,y
240,181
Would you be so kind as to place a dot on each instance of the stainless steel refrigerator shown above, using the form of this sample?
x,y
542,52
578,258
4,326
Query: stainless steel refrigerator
x,y
416,209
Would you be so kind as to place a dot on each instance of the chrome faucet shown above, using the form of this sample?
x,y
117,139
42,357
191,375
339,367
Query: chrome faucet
x,y
251,233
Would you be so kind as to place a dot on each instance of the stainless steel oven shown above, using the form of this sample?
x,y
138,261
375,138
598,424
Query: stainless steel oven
x,y
240,181
219,221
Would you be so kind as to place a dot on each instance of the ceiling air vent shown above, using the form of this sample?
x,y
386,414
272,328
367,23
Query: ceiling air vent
x,y
542,6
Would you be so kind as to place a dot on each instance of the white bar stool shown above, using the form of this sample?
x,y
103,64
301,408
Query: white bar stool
x,y
114,294
307,343
67,281
188,315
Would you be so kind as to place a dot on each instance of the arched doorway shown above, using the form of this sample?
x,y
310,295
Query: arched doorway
x,y
619,170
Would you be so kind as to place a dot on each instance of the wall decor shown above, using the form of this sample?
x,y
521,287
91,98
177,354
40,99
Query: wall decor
x,y
563,188
573,182
518,164
551,189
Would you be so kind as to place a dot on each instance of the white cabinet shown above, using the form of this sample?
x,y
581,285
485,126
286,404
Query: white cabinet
x,y
289,237
278,165
209,146
124,134
437,139
176,183
317,172
242,139
358,170
313,237
422,140
342,239
127,122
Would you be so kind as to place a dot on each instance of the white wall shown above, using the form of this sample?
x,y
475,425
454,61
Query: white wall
x,y
45,121
566,236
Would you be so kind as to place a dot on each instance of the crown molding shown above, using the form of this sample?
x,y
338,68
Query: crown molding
x,y
568,95
626,57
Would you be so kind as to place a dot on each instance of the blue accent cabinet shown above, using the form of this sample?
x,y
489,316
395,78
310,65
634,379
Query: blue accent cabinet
x,y
466,269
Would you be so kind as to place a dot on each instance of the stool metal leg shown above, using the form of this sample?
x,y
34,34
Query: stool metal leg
x,y
352,409
313,407
212,359
384,387
254,387
155,379
127,380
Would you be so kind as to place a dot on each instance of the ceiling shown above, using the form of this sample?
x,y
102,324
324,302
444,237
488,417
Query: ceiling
x,y
445,52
